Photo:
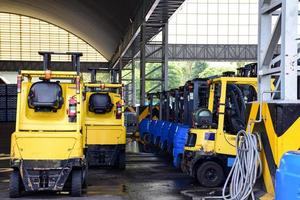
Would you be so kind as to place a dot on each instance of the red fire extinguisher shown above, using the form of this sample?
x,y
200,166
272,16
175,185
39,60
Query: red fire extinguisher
x,y
72,112
119,110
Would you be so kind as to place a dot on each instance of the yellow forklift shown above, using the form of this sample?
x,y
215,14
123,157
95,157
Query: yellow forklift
x,y
103,124
210,147
47,151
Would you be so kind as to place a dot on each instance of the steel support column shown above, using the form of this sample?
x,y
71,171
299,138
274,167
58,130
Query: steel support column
x,y
289,47
133,91
120,71
165,80
142,65
113,76
164,68
268,66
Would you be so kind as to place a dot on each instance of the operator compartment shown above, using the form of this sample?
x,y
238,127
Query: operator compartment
x,y
48,105
103,124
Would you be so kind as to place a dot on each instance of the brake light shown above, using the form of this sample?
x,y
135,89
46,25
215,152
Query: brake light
x,y
77,85
119,110
19,83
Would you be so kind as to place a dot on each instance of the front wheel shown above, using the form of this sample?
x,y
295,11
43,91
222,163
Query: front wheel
x,y
14,184
147,138
76,189
210,174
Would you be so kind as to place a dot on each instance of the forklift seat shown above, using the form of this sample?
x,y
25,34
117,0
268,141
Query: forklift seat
x,y
235,110
45,96
100,103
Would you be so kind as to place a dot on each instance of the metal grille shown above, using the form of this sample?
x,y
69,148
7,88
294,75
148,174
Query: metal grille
x,y
214,22
22,37
8,102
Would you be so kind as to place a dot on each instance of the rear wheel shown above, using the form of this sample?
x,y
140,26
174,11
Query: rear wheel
x,y
76,188
15,184
121,163
210,174
84,177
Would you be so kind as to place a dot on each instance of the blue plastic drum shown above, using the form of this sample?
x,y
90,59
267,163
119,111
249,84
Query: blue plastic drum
x,y
179,141
287,182
164,135
171,133
158,131
144,127
152,129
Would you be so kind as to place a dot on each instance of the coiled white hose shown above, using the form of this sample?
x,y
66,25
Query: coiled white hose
x,y
246,168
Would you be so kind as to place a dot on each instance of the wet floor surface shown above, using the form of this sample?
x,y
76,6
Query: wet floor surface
x,y
147,177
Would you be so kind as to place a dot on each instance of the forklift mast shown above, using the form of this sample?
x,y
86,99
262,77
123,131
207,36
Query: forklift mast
x,y
181,104
174,102
195,97
165,105
75,58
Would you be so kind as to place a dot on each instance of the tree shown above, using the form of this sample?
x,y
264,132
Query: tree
x,y
175,76
198,68
214,71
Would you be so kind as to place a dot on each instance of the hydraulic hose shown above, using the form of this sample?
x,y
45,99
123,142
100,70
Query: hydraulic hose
x,y
246,169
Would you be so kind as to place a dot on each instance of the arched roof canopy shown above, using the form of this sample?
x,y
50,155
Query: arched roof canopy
x,y
102,24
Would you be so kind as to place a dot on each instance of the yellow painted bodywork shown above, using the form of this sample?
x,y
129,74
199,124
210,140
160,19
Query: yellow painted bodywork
x,y
288,141
46,121
46,145
105,135
224,143
47,135
103,129
201,143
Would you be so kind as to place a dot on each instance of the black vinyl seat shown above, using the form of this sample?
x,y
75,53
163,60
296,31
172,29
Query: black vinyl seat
x,y
45,96
100,103
235,109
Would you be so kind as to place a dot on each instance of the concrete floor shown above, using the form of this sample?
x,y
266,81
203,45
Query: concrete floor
x,y
146,177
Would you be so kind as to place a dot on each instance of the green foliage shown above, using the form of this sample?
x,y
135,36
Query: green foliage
x,y
213,71
175,76
198,68
180,72
104,77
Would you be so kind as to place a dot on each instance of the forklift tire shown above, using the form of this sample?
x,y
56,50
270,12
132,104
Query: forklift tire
x,y
85,172
147,138
141,147
14,184
121,163
147,148
210,174
76,188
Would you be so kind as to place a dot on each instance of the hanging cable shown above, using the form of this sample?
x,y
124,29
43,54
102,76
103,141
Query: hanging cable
x,y
246,169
